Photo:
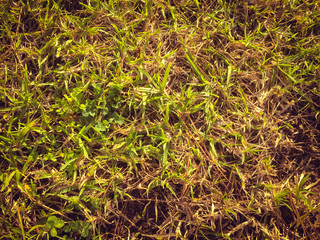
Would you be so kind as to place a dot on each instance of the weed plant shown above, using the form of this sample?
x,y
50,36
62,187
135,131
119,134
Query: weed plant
x,y
153,119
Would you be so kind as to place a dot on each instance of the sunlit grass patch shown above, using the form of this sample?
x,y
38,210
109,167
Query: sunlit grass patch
x,y
159,120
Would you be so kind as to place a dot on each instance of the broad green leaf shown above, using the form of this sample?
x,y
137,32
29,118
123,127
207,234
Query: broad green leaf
x,y
100,127
55,222
53,232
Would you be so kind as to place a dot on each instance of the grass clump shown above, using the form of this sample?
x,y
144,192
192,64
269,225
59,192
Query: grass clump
x,y
159,120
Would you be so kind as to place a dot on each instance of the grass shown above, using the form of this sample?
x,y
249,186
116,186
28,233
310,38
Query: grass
x,y
159,119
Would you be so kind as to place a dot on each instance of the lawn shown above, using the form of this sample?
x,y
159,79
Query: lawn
x,y
154,119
